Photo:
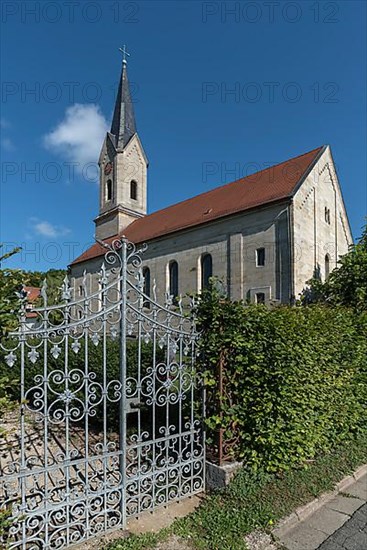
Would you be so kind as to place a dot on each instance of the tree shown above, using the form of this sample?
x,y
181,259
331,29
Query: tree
x,y
54,279
11,281
347,284
9,254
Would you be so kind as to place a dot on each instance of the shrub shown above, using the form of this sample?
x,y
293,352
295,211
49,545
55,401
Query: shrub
x,y
295,379
347,284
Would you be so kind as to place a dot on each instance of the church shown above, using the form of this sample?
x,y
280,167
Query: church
x,y
263,235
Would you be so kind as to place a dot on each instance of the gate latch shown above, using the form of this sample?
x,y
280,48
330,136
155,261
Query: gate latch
x,y
132,404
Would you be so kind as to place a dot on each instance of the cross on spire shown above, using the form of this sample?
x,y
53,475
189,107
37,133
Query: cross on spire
x,y
123,122
124,54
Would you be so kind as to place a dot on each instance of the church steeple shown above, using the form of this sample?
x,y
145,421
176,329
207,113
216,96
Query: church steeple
x,y
123,168
123,125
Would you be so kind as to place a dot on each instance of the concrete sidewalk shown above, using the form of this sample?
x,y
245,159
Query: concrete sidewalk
x,y
352,535
336,521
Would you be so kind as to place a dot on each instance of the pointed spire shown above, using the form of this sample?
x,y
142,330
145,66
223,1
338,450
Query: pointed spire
x,y
123,123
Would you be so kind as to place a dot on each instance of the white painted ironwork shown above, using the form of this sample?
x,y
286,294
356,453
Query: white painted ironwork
x,y
99,441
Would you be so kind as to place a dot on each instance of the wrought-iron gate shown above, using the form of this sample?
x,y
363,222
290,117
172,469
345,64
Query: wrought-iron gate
x,y
109,421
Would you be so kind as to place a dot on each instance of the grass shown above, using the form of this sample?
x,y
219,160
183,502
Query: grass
x,y
254,500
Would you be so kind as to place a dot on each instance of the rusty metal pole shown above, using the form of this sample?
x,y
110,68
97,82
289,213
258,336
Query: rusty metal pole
x,y
220,391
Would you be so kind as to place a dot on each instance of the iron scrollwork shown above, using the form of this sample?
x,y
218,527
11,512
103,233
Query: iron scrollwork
x,y
73,471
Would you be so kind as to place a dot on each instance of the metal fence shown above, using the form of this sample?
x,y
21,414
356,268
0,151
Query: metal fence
x,y
109,422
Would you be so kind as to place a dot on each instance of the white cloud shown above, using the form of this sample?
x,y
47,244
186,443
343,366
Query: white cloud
x,y
47,229
7,144
79,135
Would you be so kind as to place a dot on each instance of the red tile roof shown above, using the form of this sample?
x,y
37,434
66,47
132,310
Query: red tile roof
x,y
33,292
272,184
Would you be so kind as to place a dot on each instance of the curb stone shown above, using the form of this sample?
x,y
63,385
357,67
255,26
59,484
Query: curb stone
x,y
302,512
360,472
345,483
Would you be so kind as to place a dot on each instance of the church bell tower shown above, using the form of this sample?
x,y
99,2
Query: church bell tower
x,y
123,168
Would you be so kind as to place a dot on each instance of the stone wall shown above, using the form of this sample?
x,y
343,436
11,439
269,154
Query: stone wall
x,y
232,243
128,164
315,234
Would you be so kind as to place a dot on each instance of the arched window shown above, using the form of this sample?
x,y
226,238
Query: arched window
x,y
146,286
133,190
173,279
327,266
146,277
260,257
206,270
108,190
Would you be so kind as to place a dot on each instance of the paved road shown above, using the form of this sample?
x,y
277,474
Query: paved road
x,y
340,524
351,536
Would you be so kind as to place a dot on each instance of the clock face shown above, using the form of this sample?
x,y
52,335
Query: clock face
x,y
108,168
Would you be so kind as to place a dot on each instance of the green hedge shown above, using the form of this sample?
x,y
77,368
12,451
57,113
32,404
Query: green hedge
x,y
295,379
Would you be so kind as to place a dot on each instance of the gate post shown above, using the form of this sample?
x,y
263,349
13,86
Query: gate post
x,y
122,419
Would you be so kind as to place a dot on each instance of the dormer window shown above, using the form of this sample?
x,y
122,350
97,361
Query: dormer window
x,y
108,190
133,190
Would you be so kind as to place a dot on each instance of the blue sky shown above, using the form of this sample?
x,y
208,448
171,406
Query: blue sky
x,y
297,72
